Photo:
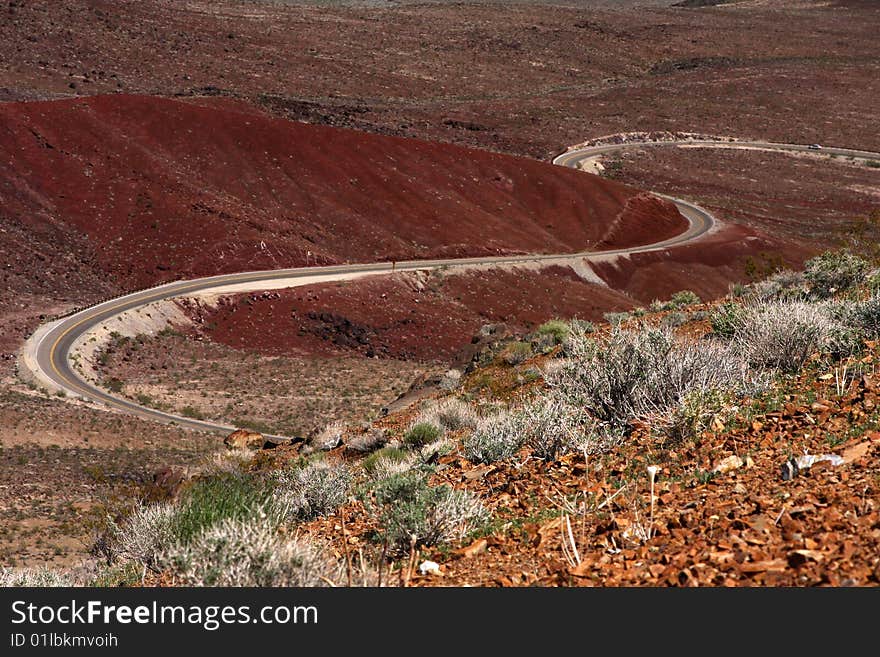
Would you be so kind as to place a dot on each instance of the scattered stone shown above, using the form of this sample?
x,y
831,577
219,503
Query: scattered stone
x,y
807,461
477,547
728,464
330,437
790,470
167,483
451,380
856,452
272,442
430,568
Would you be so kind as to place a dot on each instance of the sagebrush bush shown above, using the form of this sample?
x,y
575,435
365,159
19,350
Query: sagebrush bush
x,y
784,285
784,334
450,413
144,535
496,437
615,319
313,490
636,374
516,353
411,511
388,461
248,553
421,434
556,329
582,326
865,318
833,272
40,577
872,281
675,319
552,428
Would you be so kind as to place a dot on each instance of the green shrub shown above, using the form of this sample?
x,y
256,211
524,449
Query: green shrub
x,y
556,329
726,319
228,496
192,412
421,434
413,511
833,272
516,353
684,298
696,412
387,461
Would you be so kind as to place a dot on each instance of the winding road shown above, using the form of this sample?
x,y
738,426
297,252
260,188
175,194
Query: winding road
x,y
46,356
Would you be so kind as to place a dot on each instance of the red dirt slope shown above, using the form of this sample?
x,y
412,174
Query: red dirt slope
x,y
407,316
434,316
163,189
707,267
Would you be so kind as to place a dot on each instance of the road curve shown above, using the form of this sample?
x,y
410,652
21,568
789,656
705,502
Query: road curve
x,y
46,354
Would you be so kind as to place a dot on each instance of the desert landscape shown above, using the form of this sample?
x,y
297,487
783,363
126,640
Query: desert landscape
x,y
433,425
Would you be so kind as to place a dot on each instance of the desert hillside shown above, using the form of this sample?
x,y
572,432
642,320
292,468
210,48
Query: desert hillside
x,y
159,189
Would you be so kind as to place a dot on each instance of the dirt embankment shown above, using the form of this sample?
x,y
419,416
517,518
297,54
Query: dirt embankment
x,y
430,316
405,316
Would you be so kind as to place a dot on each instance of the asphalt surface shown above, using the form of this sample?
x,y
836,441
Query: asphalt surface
x,y
48,350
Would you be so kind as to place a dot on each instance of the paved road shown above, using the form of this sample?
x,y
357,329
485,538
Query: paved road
x,y
47,352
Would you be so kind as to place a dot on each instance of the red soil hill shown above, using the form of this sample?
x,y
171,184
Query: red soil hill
x,y
145,189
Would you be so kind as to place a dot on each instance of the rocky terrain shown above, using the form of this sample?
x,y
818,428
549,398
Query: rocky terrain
x,y
523,77
493,482
64,469
145,141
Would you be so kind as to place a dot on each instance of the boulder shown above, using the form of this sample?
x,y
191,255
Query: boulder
x,y
244,439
